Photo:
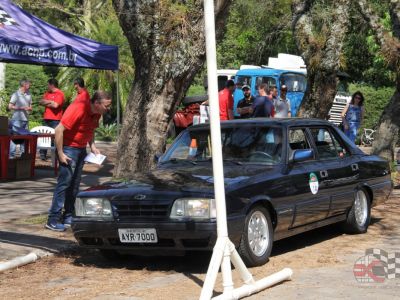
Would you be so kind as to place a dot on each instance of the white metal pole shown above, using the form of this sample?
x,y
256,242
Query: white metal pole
x,y
18,261
224,251
218,169
215,127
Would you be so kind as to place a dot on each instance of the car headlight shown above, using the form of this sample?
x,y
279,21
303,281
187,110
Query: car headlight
x,y
196,208
93,207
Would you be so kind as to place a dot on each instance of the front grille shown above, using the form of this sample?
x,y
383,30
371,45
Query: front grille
x,y
140,209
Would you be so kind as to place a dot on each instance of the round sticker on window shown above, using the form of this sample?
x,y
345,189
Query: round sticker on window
x,y
313,183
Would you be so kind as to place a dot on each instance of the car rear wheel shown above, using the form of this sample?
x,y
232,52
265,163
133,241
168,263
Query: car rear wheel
x,y
257,237
360,213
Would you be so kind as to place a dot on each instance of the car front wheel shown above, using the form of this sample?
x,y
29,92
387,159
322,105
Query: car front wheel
x,y
257,237
360,213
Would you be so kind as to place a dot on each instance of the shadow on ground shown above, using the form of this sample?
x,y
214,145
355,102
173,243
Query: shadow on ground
x,y
184,264
49,244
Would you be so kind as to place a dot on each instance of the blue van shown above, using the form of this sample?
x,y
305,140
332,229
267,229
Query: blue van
x,y
296,81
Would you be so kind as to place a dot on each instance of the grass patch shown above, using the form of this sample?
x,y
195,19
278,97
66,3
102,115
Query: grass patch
x,y
35,220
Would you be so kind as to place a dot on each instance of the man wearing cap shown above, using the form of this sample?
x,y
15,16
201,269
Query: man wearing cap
x,y
226,101
282,105
244,106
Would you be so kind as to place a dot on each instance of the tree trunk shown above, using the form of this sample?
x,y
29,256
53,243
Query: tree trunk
x,y
168,46
87,15
388,129
321,48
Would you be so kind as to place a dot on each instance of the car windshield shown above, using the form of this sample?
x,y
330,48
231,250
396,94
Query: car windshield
x,y
244,144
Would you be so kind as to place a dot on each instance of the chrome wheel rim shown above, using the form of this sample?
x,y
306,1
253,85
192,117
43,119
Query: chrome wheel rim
x,y
361,208
258,234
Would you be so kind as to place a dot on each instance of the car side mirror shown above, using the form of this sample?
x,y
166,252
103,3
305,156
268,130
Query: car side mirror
x,y
300,155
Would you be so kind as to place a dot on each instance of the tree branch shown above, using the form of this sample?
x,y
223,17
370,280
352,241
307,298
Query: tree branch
x,y
390,46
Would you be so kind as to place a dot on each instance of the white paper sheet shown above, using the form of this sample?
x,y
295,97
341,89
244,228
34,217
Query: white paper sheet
x,y
95,159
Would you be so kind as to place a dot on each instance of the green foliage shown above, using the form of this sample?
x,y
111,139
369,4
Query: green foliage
x,y
106,133
196,89
363,59
375,102
3,103
34,123
16,72
255,31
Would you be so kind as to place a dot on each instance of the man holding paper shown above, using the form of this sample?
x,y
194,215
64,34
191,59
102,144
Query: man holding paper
x,y
74,132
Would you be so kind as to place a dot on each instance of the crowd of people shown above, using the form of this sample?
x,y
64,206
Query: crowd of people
x,y
74,130
267,104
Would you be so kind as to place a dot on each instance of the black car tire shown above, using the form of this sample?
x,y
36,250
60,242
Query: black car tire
x,y
253,256
359,216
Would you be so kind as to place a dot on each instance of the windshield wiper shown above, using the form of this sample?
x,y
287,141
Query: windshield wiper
x,y
175,160
225,160
236,162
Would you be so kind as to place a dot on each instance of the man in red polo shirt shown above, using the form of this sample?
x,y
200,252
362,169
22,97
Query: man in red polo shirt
x,y
82,93
226,101
53,101
74,132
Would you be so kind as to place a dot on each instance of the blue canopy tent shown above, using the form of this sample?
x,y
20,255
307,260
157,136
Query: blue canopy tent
x,y
27,39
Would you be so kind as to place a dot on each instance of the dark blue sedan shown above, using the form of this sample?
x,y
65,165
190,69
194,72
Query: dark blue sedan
x,y
282,177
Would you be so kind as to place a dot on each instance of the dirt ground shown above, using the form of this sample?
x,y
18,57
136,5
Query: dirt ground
x,y
82,274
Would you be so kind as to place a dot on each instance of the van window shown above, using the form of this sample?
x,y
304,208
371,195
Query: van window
x,y
294,82
270,81
243,80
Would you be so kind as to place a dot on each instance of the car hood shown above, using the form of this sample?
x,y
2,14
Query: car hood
x,y
193,179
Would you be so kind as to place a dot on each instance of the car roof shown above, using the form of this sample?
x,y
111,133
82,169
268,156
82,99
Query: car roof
x,y
269,122
276,122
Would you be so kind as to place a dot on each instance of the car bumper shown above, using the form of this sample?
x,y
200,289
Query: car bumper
x,y
174,238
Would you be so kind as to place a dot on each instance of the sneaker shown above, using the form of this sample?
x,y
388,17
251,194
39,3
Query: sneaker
x,y
55,226
67,222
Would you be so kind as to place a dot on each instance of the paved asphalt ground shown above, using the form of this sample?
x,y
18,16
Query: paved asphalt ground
x,y
24,203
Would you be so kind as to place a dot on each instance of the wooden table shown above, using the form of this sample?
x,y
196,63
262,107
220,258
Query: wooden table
x,y
30,148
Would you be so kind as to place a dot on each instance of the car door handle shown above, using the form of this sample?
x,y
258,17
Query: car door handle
x,y
354,167
323,173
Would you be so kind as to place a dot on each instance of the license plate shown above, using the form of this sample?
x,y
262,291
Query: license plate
x,y
137,235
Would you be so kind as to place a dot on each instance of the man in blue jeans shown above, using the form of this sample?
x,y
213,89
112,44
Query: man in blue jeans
x,y
21,105
75,131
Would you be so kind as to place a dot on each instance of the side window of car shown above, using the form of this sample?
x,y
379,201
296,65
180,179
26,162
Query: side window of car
x,y
328,146
297,139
